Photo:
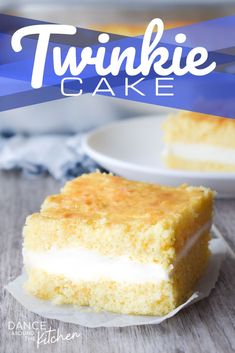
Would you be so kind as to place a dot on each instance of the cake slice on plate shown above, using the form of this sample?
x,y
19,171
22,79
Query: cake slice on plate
x,y
118,245
199,142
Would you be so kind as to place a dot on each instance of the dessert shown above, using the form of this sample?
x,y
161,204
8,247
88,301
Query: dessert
x,y
199,142
118,245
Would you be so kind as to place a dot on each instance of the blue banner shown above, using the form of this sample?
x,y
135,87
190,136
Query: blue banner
x,y
190,67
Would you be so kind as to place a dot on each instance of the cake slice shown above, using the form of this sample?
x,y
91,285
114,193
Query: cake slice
x,y
199,142
118,245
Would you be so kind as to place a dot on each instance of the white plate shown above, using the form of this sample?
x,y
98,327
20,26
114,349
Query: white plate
x,y
132,148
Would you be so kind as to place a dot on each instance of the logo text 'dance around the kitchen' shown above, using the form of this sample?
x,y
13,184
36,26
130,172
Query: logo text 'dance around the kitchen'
x,y
135,65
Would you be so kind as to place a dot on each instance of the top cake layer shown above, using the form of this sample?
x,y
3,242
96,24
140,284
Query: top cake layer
x,y
116,200
189,127
116,216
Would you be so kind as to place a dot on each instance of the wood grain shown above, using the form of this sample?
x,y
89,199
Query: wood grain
x,y
207,326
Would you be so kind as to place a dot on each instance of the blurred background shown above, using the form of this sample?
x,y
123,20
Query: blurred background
x,y
76,115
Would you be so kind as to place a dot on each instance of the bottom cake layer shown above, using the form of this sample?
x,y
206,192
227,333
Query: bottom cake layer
x,y
146,298
176,162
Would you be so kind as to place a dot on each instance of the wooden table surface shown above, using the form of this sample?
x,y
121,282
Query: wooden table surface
x,y
207,326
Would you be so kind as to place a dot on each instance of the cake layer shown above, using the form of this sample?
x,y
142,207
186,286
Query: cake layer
x,y
176,162
118,217
140,299
148,298
194,128
80,264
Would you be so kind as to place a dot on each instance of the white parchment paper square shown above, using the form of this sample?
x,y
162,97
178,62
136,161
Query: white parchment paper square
x,y
87,317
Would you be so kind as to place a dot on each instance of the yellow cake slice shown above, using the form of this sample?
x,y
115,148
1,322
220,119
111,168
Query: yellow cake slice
x,y
199,142
118,245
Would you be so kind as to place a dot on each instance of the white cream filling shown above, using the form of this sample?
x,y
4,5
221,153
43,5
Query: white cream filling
x,y
201,152
79,264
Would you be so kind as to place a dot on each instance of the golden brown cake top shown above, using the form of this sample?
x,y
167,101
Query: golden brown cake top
x,y
189,127
98,196
202,118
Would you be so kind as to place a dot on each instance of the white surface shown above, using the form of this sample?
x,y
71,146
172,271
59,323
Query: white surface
x,y
86,317
133,149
